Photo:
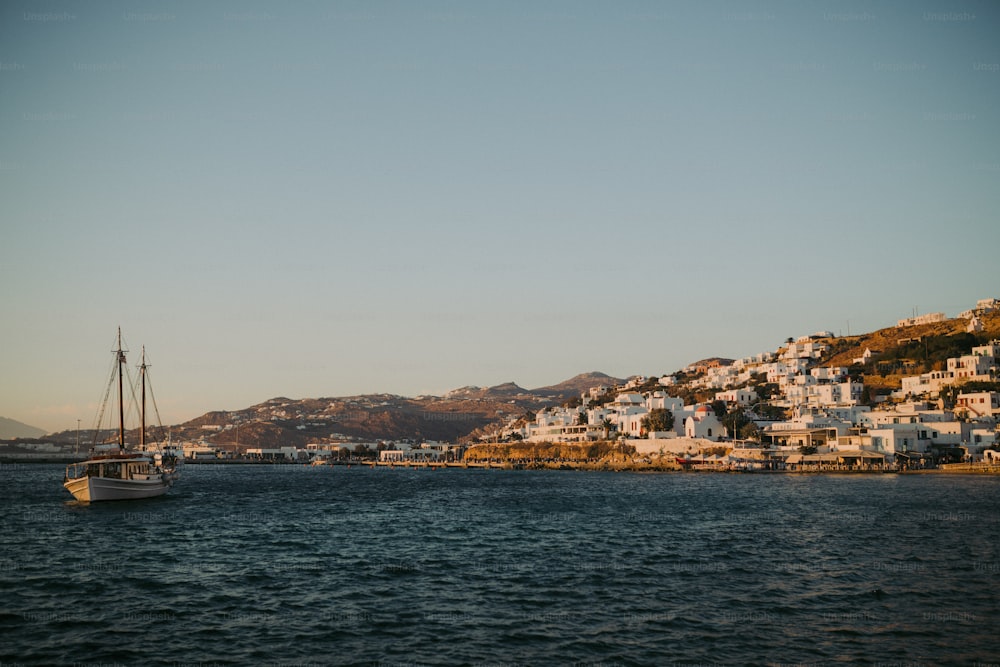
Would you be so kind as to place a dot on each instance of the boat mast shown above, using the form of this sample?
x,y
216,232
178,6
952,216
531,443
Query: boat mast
x,y
142,379
121,393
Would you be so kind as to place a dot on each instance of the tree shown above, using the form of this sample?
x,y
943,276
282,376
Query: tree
x,y
735,421
658,419
750,431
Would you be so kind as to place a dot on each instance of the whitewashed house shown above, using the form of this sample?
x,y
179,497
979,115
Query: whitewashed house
x,y
971,367
895,439
743,397
829,373
865,357
661,401
703,424
979,404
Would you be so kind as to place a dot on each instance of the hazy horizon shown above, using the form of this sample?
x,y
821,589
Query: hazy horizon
x,y
309,199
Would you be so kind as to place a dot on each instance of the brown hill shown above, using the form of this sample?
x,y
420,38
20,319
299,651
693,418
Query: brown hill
x,y
579,384
844,350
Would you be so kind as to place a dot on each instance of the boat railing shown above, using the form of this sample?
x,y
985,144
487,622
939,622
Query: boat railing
x,y
75,471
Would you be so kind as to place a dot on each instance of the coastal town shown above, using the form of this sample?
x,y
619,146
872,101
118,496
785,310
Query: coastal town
x,y
787,410
921,395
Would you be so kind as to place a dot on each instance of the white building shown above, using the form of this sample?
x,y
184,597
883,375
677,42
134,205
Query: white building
x,y
805,349
661,401
829,373
743,397
399,455
895,439
979,404
991,349
926,383
703,424
865,357
928,318
971,367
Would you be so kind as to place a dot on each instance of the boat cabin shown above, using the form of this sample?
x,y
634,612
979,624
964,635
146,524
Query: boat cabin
x,y
111,469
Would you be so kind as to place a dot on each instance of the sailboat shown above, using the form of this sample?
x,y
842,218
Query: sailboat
x,y
113,472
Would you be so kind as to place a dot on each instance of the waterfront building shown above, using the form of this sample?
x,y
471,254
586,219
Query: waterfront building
x,y
703,424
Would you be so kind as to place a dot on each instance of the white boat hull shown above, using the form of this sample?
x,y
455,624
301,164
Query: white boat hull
x,y
94,489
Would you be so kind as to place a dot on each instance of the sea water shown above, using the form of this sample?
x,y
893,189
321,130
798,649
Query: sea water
x,y
293,565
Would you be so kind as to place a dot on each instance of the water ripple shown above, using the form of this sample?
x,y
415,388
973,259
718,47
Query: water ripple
x,y
259,564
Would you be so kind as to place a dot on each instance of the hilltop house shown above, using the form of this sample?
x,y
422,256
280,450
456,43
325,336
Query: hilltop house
x,y
865,357
928,318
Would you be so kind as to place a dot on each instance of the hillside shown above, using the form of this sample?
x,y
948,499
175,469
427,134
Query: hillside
x,y
901,351
511,391
10,428
579,384
285,421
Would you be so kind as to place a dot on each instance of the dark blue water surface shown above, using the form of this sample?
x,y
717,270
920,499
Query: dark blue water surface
x,y
295,565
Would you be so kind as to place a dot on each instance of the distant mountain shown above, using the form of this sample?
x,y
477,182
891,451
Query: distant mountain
x,y
576,386
503,392
451,418
10,428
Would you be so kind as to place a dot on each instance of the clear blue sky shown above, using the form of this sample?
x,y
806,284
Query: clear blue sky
x,y
332,198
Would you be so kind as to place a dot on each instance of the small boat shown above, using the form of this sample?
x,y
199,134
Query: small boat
x,y
113,472
689,461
